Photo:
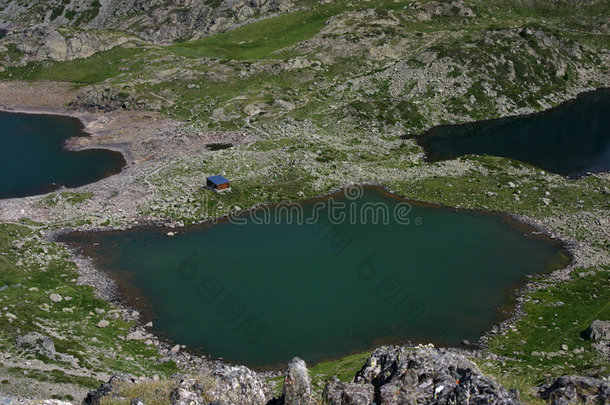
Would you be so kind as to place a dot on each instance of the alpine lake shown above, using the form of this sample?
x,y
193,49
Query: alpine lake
x,y
324,278
34,160
572,139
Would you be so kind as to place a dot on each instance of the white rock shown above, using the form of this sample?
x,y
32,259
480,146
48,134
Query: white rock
x,y
55,402
103,323
55,297
136,335
545,201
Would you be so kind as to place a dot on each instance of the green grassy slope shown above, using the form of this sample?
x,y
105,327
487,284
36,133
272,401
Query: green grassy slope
x,y
32,270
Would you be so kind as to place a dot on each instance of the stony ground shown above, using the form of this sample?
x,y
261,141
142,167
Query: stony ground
x,y
323,105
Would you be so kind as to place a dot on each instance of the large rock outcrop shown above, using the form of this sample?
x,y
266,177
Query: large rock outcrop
x,y
45,42
36,343
429,376
297,384
577,390
599,333
105,390
238,385
598,330
339,393
188,391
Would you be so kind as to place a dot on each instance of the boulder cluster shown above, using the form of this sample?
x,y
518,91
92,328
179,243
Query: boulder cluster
x,y
391,375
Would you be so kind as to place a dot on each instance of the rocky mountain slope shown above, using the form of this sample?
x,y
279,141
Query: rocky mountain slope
x,y
157,21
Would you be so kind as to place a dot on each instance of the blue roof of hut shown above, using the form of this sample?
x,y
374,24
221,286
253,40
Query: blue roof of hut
x,y
217,180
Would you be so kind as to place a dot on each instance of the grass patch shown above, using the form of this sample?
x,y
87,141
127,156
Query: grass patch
x,y
152,392
66,197
91,70
535,352
344,369
491,191
31,270
259,39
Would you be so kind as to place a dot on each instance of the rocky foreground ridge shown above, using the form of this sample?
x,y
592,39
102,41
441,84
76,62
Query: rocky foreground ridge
x,y
391,375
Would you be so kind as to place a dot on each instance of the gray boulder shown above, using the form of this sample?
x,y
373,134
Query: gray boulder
x,y
105,390
429,376
339,393
599,333
576,390
37,343
186,393
598,330
297,385
238,385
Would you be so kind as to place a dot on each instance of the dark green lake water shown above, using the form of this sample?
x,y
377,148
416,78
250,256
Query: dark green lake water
x,y
570,140
33,159
262,292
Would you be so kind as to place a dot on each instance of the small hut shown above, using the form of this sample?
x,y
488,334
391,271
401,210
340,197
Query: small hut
x,y
218,183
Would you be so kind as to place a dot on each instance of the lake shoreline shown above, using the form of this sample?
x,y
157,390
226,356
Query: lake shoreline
x,y
108,288
432,132
111,161
85,118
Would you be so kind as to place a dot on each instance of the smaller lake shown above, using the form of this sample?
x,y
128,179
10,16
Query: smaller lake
x,y
33,159
570,140
369,269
